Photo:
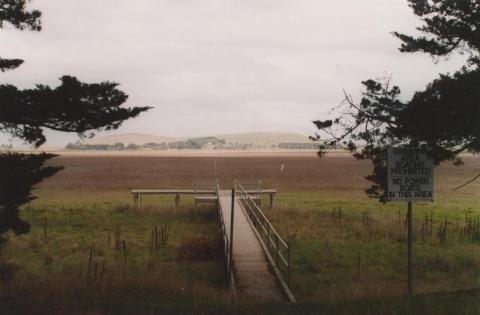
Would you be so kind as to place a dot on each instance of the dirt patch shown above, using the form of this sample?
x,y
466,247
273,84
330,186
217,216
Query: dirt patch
x,y
199,249
299,173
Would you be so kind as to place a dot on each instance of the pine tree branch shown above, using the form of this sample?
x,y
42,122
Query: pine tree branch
x,y
9,64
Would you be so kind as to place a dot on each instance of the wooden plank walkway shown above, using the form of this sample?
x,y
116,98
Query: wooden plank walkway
x,y
253,278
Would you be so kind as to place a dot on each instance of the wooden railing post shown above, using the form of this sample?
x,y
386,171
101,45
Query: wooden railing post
x,y
177,201
276,249
268,236
288,263
227,251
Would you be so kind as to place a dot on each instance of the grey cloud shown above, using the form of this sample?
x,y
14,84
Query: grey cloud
x,y
217,66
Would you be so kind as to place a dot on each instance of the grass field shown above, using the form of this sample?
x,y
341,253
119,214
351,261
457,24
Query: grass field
x,y
351,259
90,255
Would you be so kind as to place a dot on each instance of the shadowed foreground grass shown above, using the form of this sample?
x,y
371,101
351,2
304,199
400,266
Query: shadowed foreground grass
x,y
142,297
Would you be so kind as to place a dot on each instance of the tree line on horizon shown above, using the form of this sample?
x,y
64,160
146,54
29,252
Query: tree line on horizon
x,y
210,143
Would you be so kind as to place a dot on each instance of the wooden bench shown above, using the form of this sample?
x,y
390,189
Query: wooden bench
x,y
137,194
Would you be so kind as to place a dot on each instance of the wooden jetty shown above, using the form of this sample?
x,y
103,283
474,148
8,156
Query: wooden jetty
x,y
253,278
254,258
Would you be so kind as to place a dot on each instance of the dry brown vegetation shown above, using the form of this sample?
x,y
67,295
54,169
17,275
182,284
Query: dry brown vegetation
x,y
305,172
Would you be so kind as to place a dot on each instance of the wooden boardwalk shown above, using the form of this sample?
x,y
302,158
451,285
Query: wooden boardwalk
x,y
253,278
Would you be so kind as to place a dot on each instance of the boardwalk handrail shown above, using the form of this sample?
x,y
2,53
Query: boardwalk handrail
x,y
205,186
226,241
205,191
272,239
252,186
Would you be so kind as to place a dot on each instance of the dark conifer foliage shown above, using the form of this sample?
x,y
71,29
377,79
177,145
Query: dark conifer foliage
x,y
449,25
9,64
443,119
20,172
73,106
15,13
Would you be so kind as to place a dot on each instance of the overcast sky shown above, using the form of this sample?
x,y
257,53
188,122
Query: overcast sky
x,y
221,66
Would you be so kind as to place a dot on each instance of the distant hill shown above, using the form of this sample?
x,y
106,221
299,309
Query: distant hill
x,y
240,141
255,138
127,138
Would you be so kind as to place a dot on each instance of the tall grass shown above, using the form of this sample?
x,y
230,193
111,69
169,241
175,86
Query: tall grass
x,y
79,258
357,249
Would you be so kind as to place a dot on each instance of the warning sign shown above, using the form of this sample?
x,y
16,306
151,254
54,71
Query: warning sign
x,y
410,175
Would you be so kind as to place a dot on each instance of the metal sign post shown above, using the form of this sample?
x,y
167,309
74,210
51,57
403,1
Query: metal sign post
x,y
230,263
410,178
410,247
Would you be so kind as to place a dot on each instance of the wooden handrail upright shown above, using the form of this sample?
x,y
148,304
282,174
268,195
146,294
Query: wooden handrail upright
x,y
276,249
268,237
288,265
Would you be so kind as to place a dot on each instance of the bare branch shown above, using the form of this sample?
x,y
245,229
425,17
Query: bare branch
x,y
467,183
